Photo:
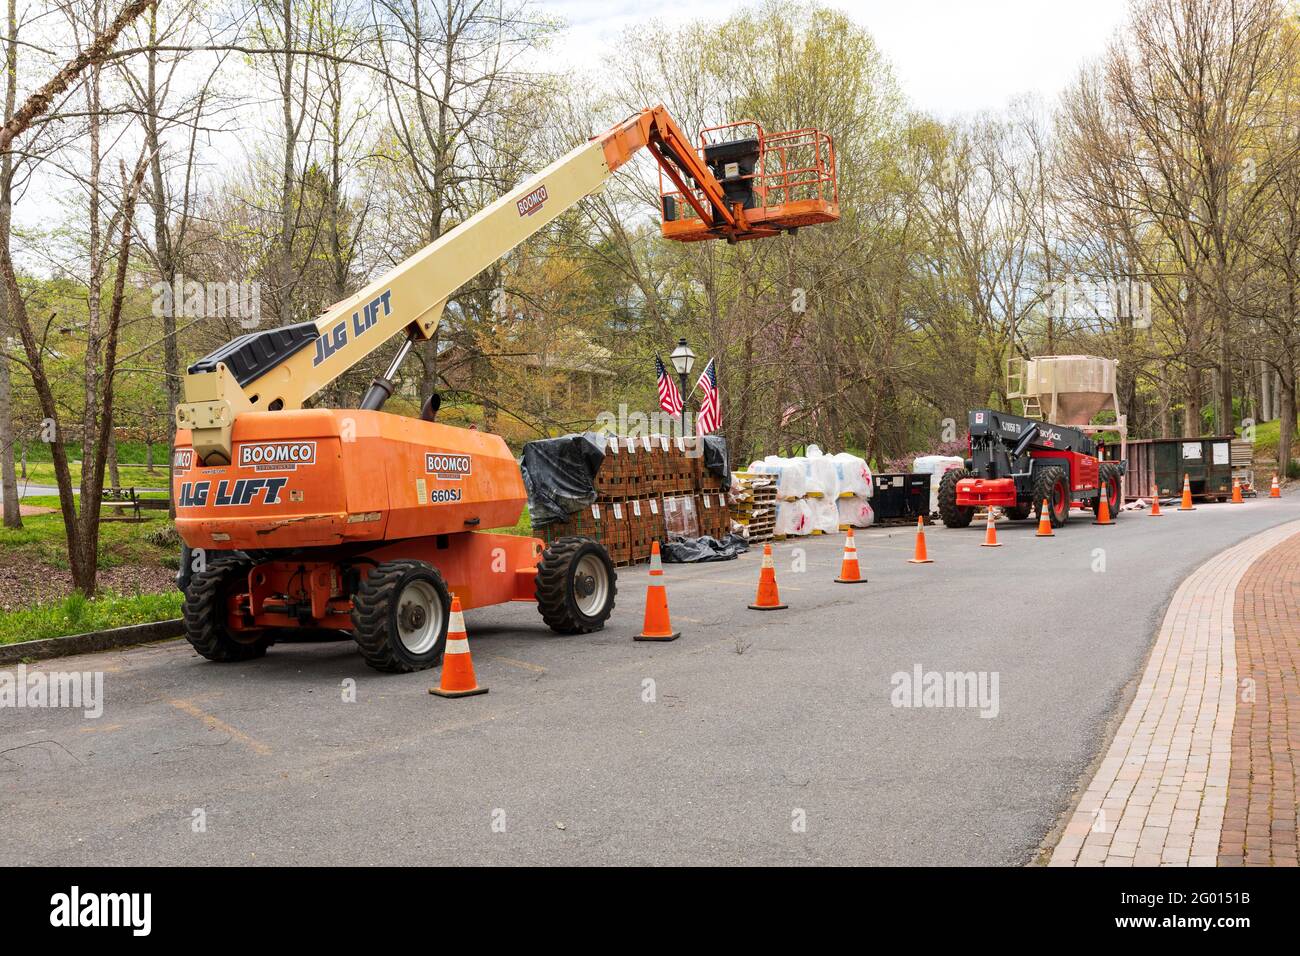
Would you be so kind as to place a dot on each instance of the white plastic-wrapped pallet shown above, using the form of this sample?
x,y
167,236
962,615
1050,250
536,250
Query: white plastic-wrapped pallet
x,y
825,515
793,518
791,481
855,511
811,485
935,466
852,475
821,470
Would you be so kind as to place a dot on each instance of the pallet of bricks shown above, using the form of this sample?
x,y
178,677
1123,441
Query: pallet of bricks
x,y
753,505
646,488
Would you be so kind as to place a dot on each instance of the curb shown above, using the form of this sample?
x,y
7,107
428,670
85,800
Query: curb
x,y
92,642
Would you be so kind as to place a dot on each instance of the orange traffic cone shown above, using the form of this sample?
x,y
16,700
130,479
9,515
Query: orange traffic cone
x,y
657,626
457,666
1045,522
849,573
1236,492
1276,490
990,533
1155,501
920,557
1187,495
768,598
1103,509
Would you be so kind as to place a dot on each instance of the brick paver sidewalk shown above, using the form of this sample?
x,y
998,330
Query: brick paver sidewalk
x,y
1259,824
1162,793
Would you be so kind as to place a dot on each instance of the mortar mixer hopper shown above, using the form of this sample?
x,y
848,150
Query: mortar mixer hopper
x,y
1068,390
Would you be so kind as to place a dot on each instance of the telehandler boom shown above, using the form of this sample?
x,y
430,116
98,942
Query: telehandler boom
x,y
365,521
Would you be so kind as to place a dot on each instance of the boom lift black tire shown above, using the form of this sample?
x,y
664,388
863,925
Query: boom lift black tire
x,y
954,515
397,597
205,613
1046,484
576,585
1108,479
1019,512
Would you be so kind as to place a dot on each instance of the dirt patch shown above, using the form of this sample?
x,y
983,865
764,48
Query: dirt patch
x,y
23,584
31,511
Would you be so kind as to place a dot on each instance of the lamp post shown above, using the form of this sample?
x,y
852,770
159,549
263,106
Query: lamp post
x,y
683,360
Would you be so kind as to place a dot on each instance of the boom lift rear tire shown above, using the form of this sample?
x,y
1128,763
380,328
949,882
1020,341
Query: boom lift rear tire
x,y
400,614
1108,479
1052,485
206,613
575,586
1019,512
954,515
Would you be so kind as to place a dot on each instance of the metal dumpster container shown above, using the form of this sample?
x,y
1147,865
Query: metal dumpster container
x,y
1162,462
900,495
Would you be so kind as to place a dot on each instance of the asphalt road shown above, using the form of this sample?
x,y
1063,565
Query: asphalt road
x,y
759,721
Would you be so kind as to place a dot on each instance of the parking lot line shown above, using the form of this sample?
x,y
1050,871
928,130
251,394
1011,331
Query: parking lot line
x,y
216,723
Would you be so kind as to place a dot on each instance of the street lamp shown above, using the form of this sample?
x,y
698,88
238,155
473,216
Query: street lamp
x,y
683,360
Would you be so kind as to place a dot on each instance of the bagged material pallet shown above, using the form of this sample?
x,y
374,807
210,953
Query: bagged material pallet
x,y
793,518
852,474
822,473
790,479
855,512
935,466
825,515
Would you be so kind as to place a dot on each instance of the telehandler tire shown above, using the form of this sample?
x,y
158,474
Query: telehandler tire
x,y
575,586
206,612
1051,485
400,614
953,515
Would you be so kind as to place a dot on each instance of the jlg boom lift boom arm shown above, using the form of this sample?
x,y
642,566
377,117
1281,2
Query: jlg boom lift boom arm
x,y
280,369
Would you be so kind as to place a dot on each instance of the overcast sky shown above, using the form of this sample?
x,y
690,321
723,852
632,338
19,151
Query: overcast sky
x,y
950,56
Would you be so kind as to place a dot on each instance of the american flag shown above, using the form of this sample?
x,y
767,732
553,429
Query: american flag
x,y
710,417
670,399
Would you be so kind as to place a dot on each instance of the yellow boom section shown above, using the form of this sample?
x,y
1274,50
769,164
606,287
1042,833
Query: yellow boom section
x,y
413,292
281,368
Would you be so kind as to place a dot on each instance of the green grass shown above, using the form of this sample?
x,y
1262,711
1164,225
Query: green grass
x,y
41,540
42,473
524,526
1266,439
77,615
128,452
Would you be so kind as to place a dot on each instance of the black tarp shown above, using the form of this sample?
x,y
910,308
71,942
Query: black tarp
x,y
715,459
559,475
700,550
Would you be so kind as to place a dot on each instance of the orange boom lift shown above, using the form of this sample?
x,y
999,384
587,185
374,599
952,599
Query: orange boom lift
x,y
360,520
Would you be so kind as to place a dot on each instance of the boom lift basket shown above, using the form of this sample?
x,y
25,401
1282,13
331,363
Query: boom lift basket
x,y
777,181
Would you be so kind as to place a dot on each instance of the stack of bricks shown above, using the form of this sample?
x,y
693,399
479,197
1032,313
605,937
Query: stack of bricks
x,y
639,482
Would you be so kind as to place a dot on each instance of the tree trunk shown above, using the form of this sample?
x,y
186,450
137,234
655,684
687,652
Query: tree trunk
x,y
114,479
8,480
1265,393
1287,419
168,265
1192,402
